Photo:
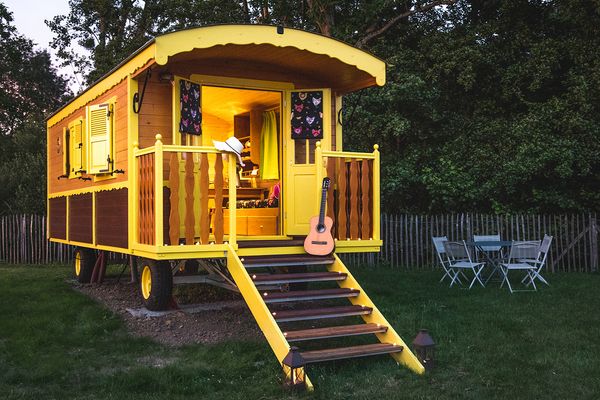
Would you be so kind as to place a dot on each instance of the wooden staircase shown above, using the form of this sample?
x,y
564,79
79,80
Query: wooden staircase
x,y
313,302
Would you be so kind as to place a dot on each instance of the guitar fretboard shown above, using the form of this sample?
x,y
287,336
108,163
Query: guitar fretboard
x,y
322,211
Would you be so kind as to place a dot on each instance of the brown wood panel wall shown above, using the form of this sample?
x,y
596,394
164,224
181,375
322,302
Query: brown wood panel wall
x,y
243,70
80,218
58,217
55,133
111,218
156,114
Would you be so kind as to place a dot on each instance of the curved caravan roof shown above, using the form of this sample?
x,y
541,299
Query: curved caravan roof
x,y
229,49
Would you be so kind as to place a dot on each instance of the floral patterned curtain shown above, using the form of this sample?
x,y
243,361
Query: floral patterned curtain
x,y
307,115
191,113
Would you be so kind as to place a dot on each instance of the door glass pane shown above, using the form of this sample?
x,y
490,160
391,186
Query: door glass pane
x,y
299,151
312,145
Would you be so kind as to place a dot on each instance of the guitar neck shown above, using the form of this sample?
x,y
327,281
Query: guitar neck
x,y
322,211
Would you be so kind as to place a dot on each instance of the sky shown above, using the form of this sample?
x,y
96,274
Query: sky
x,y
29,19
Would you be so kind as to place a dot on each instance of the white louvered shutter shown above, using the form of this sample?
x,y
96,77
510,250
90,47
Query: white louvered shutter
x,y
100,139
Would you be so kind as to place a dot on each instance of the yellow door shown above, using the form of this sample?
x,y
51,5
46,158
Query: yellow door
x,y
300,188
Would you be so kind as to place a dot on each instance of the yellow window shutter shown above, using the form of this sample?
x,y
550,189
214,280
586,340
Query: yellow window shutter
x,y
77,147
100,139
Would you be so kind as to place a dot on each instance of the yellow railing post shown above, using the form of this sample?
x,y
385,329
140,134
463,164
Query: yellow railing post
x,y
232,200
158,191
319,172
134,236
376,193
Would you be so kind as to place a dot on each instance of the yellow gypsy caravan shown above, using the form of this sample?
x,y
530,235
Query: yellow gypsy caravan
x,y
132,169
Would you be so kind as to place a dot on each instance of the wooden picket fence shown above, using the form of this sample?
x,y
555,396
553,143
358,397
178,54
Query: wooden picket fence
x,y
23,241
406,239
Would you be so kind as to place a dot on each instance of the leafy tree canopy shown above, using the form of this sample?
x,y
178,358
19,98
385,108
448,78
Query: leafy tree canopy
x,y
29,89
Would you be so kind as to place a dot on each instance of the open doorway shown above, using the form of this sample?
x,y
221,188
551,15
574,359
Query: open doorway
x,y
254,117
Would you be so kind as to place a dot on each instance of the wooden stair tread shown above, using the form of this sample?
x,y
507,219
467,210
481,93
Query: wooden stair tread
x,y
286,260
298,277
318,313
315,356
334,331
300,295
245,244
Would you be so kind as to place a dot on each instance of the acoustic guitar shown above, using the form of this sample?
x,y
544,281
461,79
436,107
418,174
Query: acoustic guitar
x,y
319,241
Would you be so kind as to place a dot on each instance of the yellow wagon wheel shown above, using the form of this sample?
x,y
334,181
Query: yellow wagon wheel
x,y
156,284
84,261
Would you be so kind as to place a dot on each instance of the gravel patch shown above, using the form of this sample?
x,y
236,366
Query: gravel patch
x,y
207,322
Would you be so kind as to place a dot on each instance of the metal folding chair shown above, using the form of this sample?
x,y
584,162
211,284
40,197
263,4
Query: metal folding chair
x,y
539,261
459,259
438,243
520,251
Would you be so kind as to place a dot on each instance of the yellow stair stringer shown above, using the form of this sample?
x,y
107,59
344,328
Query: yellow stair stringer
x,y
405,357
259,309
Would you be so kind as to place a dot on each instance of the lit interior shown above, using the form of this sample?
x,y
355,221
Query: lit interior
x,y
243,113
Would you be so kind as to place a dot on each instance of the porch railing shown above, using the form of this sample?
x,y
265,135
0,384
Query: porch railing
x,y
354,202
180,192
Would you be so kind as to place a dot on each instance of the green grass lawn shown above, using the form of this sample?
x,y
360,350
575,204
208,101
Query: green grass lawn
x,y
57,343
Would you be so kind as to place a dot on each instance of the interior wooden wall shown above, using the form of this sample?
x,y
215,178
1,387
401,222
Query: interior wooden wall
x,y
215,128
55,167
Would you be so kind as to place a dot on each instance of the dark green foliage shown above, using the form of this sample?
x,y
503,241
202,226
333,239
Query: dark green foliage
x,y
30,88
491,106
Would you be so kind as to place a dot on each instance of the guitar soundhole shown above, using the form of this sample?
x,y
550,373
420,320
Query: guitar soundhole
x,y
321,228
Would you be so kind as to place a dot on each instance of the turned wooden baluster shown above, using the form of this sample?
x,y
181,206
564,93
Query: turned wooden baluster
x,y
142,200
342,193
219,199
365,188
204,216
174,200
354,199
331,162
150,200
189,198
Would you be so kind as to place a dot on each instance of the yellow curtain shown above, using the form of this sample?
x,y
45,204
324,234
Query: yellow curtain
x,y
269,161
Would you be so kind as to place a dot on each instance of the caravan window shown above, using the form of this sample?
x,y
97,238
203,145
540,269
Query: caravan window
x,y
100,138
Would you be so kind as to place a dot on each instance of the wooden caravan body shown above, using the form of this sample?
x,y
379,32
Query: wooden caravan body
x,y
106,192
123,177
